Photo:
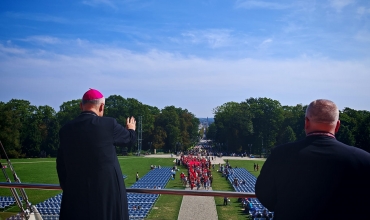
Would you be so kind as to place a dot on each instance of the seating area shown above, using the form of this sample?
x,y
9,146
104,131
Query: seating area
x,y
6,201
245,183
139,204
16,217
242,174
50,207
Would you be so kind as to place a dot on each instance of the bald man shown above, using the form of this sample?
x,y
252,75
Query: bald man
x,y
317,177
87,164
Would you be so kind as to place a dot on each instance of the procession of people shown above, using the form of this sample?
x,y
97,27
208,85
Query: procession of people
x,y
199,173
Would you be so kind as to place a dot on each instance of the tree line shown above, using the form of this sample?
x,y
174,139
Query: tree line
x,y
30,131
256,125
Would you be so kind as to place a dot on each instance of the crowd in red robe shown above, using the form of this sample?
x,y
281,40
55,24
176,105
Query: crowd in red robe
x,y
199,171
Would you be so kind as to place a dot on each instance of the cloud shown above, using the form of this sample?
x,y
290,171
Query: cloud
x,y
81,42
214,38
11,50
43,40
118,4
338,5
37,17
363,11
363,36
265,43
252,4
292,28
161,78
95,3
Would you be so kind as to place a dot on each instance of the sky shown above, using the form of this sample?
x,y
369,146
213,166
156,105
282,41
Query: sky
x,y
194,54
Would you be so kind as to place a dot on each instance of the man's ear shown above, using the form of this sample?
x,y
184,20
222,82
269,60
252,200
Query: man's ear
x,y
337,126
81,106
101,109
306,123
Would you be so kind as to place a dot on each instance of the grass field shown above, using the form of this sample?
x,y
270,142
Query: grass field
x,y
233,211
166,207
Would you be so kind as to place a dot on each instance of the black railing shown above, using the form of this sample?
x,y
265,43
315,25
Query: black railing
x,y
137,190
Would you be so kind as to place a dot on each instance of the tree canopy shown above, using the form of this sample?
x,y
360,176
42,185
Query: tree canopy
x,y
31,131
256,125
251,126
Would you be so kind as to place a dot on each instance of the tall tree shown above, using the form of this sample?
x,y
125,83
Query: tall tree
x,y
234,125
358,124
294,118
17,115
68,111
267,119
345,135
287,136
121,108
363,138
42,132
169,121
49,127
175,129
211,132
10,129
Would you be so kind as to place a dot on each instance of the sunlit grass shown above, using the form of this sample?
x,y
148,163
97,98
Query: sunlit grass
x,y
234,210
166,207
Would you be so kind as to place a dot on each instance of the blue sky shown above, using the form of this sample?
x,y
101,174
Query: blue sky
x,y
194,54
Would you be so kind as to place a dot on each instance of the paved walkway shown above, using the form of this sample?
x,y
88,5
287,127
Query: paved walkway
x,y
198,207
216,161
193,207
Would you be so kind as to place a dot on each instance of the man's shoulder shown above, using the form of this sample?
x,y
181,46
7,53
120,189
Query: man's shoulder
x,y
67,125
289,146
108,119
94,119
108,122
359,153
350,150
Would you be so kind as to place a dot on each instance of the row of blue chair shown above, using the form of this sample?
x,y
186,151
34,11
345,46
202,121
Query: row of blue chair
x,y
50,208
249,186
153,179
6,201
6,198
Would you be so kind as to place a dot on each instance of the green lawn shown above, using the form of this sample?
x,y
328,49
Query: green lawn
x,y
166,207
234,210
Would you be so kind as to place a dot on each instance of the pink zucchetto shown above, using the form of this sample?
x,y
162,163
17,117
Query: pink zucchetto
x,y
92,94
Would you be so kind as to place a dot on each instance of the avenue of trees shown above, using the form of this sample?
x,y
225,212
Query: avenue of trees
x,y
31,131
256,125
253,126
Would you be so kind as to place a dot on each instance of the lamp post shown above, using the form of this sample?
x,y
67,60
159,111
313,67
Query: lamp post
x,y
261,148
227,149
219,148
177,145
150,146
139,148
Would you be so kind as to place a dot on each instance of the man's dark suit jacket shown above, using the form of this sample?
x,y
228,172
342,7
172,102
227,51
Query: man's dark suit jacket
x,y
316,178
88,168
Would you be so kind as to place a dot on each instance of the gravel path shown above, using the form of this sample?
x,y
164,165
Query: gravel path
x,y
201,207
198,207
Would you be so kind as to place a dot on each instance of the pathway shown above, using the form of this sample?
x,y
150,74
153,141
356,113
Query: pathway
x,y
198,207
201,207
